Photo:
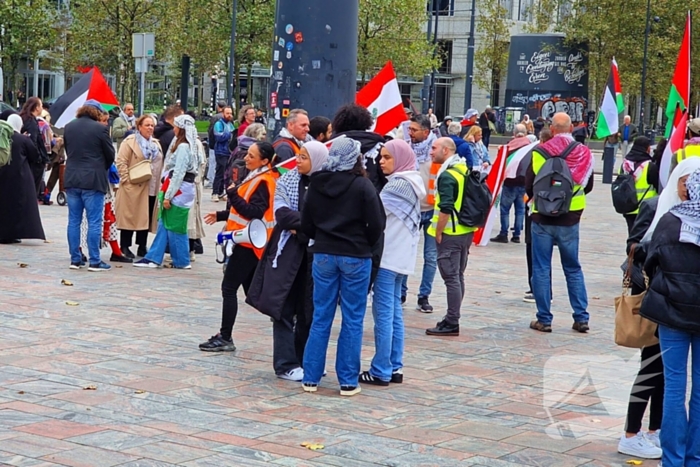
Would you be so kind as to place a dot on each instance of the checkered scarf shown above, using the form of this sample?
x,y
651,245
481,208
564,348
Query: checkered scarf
x,y
689,211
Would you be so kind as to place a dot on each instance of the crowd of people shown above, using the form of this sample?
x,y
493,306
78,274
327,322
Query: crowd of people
x,y
345,225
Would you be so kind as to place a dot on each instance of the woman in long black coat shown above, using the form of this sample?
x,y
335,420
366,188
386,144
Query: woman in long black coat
x,y
19,212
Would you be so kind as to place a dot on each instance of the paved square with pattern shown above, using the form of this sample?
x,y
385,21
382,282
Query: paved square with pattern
x,y
118,379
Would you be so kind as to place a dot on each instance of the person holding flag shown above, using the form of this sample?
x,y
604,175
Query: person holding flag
x,y
691,147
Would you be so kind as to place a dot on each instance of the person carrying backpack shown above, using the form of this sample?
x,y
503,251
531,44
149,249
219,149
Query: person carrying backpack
x,y
452,237
557,181
638,180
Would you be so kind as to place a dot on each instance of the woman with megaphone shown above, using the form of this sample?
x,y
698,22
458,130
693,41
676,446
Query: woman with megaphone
x,y
282,287
252,199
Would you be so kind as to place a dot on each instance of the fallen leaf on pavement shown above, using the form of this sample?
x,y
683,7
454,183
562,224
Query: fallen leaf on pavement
x,y
140,391
92,387
312,446
21,392
634,462
23,265
596,298
69,303
48,241
67,283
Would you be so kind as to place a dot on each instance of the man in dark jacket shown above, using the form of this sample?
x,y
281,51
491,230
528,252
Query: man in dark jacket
x,y
89,154
223,132
211,171
486,117
445,125
463,148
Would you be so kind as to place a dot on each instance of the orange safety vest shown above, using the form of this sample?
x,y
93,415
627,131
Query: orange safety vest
x,y
245,191
432,182
292,143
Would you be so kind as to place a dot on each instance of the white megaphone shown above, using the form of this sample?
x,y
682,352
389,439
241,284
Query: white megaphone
x,y
254,234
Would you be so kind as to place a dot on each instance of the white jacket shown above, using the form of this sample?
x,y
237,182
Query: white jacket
x,y
400,245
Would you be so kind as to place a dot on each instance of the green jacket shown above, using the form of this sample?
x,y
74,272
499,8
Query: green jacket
x,y
119,129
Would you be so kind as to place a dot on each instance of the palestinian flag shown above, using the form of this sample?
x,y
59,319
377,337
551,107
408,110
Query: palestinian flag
x,y
679,97
674,144
91,86
612,105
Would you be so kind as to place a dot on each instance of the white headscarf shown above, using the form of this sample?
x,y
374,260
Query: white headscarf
x,y
185,122
669,197
15,122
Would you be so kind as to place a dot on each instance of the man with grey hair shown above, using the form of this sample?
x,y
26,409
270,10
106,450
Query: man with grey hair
x,y
125,122
292,137
452,238
513,192
558,224
463,148
628,132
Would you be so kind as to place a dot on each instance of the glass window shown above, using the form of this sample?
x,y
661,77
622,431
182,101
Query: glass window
x,y
444,7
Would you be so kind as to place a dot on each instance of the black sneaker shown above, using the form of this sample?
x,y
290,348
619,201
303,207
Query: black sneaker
x,y
126,252
77,266
397,377
142,251
443,328
120,259
581,327
349,390
366,377
217,344
515,239
403,299
424,305
500,239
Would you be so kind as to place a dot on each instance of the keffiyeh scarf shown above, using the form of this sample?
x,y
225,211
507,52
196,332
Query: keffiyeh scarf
x,y
689,211
399,198
422,149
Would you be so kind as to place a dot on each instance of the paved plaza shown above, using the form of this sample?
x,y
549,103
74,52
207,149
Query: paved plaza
x,y
116,378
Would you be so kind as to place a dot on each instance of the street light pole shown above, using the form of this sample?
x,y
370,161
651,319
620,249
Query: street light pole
x,y
644,69
231,58
425,100
469,79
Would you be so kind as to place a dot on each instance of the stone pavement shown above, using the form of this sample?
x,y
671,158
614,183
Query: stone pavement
x,y
118,379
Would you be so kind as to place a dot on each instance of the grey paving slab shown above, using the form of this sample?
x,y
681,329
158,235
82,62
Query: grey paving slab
x,y
499,395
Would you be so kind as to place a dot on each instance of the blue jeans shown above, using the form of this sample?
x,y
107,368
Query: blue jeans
x,y
348,277
179,247
566,238
93,203
680,430
429,259
512,196
388,324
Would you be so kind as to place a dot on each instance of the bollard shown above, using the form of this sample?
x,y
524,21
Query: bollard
x,y
608,164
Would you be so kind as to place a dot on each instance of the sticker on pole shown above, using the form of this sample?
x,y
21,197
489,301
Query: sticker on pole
x,y
289,29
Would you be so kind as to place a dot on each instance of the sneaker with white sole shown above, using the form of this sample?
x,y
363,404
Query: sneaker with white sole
x,y
99,267
144,263
529,298
654,438
638,446
297,374
350,390
309,387
215,198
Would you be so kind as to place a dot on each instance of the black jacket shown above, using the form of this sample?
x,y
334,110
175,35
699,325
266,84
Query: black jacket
x,y
673,267
271,286
31,126
89,154
343,214
18,209
637,156
641,224
484,120
368,141
165,133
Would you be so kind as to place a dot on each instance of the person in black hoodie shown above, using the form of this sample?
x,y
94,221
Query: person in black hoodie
x,y
345,218
673,302
646,174
164,131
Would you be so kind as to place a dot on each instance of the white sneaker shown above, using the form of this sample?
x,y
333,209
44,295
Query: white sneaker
x,y
192,257
654,438
297,374
215,198
638,446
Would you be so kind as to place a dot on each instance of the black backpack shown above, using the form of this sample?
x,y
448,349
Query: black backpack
x,y
553,188
236,170
476,200
624,193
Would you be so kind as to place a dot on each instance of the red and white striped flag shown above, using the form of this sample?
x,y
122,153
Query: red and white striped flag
x,y
495,182
382,97
675,142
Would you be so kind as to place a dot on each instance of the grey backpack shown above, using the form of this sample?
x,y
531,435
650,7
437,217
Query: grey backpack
x,y
6,132
553,187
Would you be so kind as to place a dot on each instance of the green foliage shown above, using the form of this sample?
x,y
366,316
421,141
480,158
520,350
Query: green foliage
x,y
393,30
539,16
28,27
491,55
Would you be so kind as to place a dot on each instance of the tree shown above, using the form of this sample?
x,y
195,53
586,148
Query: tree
x,y
20,36
491,56
539,16
393,30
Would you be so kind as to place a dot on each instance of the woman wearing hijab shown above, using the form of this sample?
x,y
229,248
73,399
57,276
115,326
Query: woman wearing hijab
x,y
252,199
344,217
136,202
29,113
176,197
401,199
638,162
282,285
673,301
18,207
